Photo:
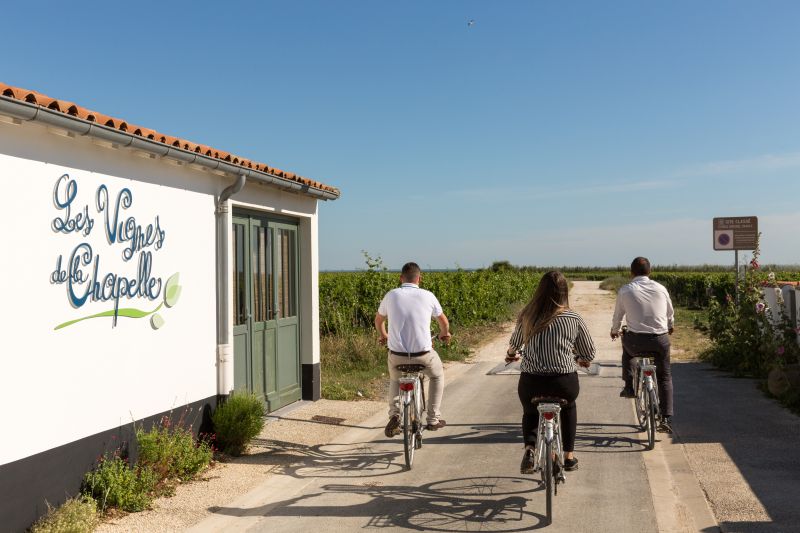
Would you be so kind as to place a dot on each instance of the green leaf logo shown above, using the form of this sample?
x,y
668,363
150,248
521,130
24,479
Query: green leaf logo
x,y
172,290
156,321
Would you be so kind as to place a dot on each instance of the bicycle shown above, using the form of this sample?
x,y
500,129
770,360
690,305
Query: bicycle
x,y
645,389
413,405
549,457
549,454
412,379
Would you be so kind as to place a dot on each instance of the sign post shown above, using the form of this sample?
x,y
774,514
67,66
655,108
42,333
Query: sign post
x,y
736,233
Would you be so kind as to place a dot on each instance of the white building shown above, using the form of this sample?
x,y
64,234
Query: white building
x,y
143,275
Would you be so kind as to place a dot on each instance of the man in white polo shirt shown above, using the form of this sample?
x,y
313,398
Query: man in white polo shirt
x,y
647,309
409,310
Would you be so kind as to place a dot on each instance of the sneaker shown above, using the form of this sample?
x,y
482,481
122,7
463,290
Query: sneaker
x,y
526,467
438,425
627,392
665,426
393,427
571,464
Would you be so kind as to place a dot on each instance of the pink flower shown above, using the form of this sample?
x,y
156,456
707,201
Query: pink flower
x,y
760,306
780,350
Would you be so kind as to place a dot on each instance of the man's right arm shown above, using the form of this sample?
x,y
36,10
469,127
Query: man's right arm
x,y
444,328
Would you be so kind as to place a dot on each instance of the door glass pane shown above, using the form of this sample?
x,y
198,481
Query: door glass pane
x,y
239,294
287,259
262,274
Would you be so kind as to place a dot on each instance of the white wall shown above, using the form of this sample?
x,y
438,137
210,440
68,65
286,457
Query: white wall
x,y
62,385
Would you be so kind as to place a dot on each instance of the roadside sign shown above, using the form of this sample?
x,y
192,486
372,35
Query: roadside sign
x,y
735,233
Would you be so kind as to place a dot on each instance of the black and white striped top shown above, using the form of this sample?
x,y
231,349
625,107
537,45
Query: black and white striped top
x,y
553,351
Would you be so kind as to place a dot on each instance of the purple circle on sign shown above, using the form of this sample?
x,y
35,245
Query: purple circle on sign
x,y
724,239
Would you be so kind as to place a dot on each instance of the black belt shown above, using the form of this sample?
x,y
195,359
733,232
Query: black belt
x,y
646,334
410,354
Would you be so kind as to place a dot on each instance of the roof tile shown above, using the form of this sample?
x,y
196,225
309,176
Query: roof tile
x,y
69,108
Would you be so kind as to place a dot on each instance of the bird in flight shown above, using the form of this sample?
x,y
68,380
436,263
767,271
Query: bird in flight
x,y
471,23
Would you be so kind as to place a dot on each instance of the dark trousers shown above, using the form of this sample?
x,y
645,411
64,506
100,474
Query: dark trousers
x,y
560,385
658,346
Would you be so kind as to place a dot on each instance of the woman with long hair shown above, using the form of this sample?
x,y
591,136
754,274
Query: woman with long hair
x,y
553,339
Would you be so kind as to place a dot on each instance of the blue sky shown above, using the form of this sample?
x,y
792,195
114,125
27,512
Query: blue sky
x,y
547,133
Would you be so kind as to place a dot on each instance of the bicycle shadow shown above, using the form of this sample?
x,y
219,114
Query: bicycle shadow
x,y
360,459
599,438
366,459
494,503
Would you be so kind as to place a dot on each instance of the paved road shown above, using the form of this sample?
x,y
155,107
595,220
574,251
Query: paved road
x,y
466,476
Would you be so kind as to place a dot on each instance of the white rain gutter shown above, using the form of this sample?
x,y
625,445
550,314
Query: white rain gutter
x,y
25,111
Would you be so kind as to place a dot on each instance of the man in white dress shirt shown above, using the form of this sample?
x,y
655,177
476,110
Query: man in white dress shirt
x,y
648,312
409,311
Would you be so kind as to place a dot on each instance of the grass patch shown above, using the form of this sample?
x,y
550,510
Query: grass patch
x,y
114,483
354,367
689,339
76,515
614,283
172,453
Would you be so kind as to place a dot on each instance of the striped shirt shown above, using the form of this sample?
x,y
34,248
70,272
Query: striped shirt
x,y
553,351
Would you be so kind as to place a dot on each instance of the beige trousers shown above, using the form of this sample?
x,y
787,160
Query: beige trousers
x,y
434,372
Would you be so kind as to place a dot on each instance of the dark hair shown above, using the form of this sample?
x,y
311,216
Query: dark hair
x,y
410,272
640,267
550,299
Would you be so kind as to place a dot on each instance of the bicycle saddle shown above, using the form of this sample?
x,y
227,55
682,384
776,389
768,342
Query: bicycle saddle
x,y
410,369
548,399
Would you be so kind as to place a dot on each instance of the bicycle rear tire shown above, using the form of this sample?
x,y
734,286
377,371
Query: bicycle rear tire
x,y
640,403
549,480
409,431
651,419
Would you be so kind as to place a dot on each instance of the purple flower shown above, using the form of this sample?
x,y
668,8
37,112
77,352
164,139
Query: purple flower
x,y
780,350
760,306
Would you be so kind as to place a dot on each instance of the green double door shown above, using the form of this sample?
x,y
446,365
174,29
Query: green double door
x,y
265,321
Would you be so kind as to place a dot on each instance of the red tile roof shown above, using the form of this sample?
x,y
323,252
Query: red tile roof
x,y
69,108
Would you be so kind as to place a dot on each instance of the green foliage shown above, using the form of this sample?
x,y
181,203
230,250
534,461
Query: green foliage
x,y
113,483
76,515
614,283
349,300
238,421
172,452
746,341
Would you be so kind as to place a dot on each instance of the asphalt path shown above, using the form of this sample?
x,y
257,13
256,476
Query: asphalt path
x,y
466,476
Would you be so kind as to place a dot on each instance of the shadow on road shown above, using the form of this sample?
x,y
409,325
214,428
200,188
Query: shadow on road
x,y
758,435
361,459
594,437
490,504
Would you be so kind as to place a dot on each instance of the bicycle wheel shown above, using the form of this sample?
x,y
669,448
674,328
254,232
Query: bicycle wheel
x,y
547,477
651,419
641,408
409,432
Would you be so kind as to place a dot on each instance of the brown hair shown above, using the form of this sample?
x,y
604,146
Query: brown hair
x,y
410,272
550,299
640,267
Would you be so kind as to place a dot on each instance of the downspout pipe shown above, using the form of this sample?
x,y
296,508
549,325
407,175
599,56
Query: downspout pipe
x,y
224,308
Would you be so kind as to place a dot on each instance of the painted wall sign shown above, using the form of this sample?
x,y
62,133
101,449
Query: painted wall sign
x,y
108,224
